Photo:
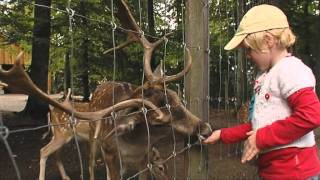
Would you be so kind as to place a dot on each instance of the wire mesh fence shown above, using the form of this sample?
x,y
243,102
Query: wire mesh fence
x,y
20,145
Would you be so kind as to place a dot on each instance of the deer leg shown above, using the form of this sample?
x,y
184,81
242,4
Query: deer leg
x,y
92,157
60,166
105,164
46,151
113,166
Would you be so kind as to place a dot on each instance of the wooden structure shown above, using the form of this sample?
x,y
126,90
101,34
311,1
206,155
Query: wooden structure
x,y
8,53
197,80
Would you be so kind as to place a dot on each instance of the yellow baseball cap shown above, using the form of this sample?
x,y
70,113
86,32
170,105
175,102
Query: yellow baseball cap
x,y
259,18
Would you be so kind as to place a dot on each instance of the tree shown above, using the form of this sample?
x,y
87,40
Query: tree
x,y
84,56
40,58
67,72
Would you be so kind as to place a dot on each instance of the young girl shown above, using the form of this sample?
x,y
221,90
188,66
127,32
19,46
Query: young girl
x,y
285,107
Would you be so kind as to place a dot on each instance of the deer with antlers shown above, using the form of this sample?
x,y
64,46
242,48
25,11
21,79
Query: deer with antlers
x,y
133,145
126,134
62,131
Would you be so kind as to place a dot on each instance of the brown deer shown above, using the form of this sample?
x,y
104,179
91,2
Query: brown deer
x,y
133,145
62,133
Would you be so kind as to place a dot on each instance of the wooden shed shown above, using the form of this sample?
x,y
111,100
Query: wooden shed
x,y
8,53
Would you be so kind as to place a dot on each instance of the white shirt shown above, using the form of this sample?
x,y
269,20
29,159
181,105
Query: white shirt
x,y
272,89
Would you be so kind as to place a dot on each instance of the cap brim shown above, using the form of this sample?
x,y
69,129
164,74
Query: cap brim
x,y
235,42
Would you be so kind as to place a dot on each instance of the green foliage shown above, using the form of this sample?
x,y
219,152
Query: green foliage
x,y
16,22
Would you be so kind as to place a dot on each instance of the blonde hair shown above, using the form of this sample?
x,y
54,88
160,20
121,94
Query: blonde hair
x,y
256,41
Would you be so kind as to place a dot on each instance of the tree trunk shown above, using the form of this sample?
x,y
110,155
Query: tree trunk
x,y
306,34
40,58
84,59
151,30
67,72
85,71
151,17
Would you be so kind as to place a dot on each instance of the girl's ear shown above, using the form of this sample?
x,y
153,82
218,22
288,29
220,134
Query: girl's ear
x,y
270,40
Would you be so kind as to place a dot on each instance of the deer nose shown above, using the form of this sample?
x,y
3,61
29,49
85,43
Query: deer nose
x,y
205,130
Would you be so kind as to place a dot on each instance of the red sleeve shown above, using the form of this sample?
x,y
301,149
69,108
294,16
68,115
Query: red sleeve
x,y
235,134
305,117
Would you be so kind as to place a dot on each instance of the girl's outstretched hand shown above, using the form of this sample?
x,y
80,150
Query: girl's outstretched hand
x,y
214,137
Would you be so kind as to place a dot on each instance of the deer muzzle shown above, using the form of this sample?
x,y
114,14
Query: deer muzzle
x,y
205,130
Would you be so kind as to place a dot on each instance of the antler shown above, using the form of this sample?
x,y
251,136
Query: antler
x,y
128,21
17,78
131,38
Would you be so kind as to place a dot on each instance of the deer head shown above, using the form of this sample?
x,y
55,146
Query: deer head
x,y
159,170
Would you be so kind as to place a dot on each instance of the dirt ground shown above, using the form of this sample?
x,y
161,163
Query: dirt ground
x,y
223,160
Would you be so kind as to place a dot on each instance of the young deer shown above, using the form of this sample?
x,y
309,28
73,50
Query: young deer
x,y
62,133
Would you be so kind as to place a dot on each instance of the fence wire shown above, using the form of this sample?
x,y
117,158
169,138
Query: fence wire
x,y
72,121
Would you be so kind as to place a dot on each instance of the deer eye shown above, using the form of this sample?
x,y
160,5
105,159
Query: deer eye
x,y
161,168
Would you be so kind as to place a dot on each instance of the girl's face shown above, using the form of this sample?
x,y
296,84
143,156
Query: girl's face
x,y
261,59
270,54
